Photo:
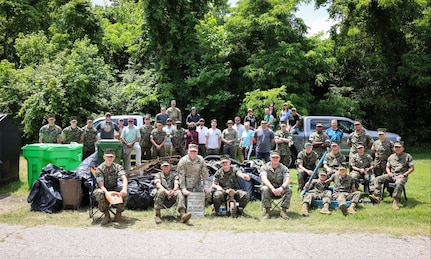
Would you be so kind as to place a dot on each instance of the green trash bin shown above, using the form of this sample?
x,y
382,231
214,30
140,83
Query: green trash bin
x,y
67,156
37,158
114,144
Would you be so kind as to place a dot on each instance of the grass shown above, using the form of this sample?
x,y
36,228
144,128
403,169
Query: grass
x,y
413,219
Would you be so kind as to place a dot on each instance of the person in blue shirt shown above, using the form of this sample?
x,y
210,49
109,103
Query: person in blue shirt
x,y
334,133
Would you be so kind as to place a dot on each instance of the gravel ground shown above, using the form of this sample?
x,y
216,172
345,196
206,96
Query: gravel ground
x,y
113,242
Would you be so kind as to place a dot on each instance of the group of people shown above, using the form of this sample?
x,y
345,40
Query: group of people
x,y
272,144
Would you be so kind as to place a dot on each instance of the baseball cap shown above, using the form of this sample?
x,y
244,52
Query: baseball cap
x,y
168,119
342,168
107,114
109,152
308,144
164,163
224,157
177,122
249,109
319,124
360,145
229,122
51,116
399,144
381,131
202,119
193,147
357,122
130,119
274,153
147,116
334,143
293,109
322,172
193,108
73,118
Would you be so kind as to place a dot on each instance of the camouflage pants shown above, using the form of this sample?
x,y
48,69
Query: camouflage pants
x,y
358,175
325,196
342,197
398,189
240,196
267,196
162,198
380,168
103,206
146,153
155,153
285,159
303,178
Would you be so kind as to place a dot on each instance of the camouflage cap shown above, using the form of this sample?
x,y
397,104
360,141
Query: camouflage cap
x,y
224,157
274,153
308,144
322,172
360,145
319,124
164,163
381,131
109,152
399,144
334,143
193,147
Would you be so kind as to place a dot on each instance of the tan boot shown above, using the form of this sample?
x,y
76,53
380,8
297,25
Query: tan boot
x,y
351,209
325,209
120,219
395,204
304,209
343,209
106,219
375,199
185,216
158,218
283,214
267,213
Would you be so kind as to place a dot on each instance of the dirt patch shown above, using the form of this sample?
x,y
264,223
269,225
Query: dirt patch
x,y
11,202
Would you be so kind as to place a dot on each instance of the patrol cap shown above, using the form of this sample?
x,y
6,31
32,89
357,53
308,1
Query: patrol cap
x,y
275,153
51,116
319,124
164,163
147,116
399,144
193,147
342,168
334,143
224,157
73,118
308,144
322,172
357,122
109,152
360,145
381,131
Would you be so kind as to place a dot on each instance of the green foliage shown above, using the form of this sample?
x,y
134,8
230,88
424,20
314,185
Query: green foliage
x,y
33,49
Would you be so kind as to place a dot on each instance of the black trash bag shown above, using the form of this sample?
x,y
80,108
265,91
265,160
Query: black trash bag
x,y
87,178
45,193
141,195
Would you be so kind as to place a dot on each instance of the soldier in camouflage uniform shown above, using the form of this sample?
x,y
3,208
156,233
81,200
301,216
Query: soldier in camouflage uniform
x,y
178,138
334,159
168,192
356,137
319,139
145,142
158,138
193,173
107,175
226,178
382,149
344,190
173,112
306,161
362,165
90,138
72,133
398,168
275,183
318,190
283,139
50,133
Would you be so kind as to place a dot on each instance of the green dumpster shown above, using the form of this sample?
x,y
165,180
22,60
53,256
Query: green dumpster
x,y
67,156
114,144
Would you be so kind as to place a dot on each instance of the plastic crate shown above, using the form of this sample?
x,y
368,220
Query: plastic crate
x,y
114,144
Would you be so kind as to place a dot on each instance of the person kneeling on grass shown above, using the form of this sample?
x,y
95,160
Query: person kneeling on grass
x,y
318,190
107,174
344,190
168,192
226,178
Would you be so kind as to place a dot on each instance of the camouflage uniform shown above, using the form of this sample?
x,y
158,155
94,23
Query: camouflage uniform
x,y
398,165
355,139
382,151
49,133
283,148
308,161
158,136
174,113
363,161
276,177
178,138
109,176
319,137
90,138
70,134
343,189
229,180
168,182
317,191
193,173
334,160
145,143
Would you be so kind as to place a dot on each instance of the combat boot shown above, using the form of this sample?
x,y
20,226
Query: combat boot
x,y
395,204
283,214
304,209
343,209
267,213
158,218
185,216
325,209
106,219
120,219
351,209
375,199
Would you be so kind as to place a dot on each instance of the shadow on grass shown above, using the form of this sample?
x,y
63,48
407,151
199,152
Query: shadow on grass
x,y
10,187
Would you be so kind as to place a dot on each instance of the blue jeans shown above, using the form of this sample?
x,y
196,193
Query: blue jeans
x,y
263,155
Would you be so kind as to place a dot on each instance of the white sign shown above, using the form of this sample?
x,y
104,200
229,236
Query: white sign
x,y
196,204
